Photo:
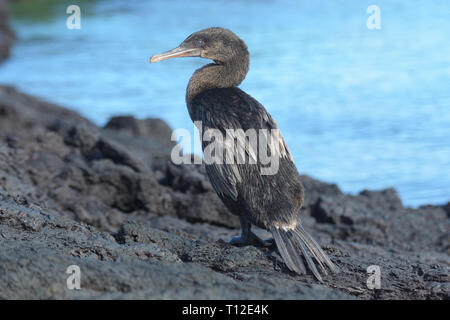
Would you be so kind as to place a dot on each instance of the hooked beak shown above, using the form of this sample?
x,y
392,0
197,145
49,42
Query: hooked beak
x,y
175,53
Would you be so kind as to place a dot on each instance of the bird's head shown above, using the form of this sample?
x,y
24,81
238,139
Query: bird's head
x,y
218,44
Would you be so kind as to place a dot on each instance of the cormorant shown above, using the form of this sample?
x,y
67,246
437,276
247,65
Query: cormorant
x,y
269,201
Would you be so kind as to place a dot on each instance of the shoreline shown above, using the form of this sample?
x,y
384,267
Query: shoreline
x,y
110,199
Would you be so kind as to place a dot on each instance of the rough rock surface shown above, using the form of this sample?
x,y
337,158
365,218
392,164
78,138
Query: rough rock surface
x,y
110,201
6,34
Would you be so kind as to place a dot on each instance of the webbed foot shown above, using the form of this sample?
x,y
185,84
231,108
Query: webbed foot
x,y
247,237
250,239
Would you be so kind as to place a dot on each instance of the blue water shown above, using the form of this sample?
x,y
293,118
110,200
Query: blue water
x,y
358,107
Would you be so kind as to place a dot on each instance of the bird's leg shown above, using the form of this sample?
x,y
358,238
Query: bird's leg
x,y
247,237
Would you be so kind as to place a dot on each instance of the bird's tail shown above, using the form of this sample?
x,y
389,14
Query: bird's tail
x,y
291,242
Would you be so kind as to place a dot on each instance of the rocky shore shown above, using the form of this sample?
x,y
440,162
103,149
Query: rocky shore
x,y
110,201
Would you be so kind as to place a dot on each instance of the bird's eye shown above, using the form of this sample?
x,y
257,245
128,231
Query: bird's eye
x,y
199,43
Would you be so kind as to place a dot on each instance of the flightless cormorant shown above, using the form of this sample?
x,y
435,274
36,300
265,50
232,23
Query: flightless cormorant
x,y
269,201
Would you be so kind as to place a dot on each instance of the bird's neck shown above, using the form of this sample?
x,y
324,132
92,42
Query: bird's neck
x,y
212,76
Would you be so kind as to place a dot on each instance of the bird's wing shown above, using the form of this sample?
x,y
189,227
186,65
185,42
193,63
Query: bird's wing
x,y
231,108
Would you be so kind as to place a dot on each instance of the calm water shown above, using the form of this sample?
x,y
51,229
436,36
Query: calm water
x,y
362,108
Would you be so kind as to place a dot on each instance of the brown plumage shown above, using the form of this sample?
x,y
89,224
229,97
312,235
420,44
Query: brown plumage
x,y
270,201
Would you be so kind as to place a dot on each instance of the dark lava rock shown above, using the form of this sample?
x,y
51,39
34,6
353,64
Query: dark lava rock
x,y
110,201
63,162
144,263
153,128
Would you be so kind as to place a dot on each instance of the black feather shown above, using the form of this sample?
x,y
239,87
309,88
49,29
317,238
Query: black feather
x,y
294,243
